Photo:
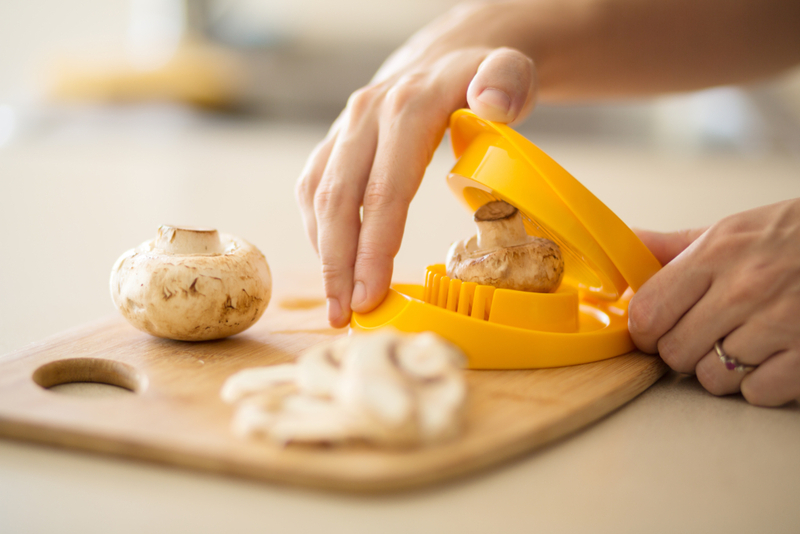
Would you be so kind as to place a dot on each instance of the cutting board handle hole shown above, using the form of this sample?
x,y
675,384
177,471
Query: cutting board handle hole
x,y
95,371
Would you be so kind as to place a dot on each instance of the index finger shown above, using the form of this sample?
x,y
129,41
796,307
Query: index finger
x,y
411,128
668,295
336,205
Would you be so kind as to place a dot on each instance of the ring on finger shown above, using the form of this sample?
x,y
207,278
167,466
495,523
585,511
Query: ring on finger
x,y
731,363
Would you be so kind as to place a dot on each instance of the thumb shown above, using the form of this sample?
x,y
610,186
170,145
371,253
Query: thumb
x,y
504,88
665,246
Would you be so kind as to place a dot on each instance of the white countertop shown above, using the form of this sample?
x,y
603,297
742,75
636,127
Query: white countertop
x,y
76,194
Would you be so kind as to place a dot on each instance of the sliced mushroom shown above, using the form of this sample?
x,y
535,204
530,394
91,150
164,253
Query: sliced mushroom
x,y
385,388
192,284
317,371
441,404
251,381
425,356
333,427
251,420
338,348
373,386
503,255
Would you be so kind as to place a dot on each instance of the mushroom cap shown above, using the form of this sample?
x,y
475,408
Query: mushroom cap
x,y
192,297
536,265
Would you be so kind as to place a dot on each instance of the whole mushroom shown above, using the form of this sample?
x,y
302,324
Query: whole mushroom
x,y
503,255
192,284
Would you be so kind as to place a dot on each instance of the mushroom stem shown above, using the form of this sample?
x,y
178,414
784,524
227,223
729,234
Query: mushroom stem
x,y
499,226
188,240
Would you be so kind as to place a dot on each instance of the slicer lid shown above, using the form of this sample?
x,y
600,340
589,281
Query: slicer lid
x,y
601,254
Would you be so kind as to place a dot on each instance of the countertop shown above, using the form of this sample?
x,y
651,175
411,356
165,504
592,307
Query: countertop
x,y
76,193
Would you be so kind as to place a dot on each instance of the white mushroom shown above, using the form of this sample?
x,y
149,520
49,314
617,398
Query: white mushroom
x,y
503,255
192,284
251,420
308,419
425,356
441,401
371,381
317,371
374,388
385,388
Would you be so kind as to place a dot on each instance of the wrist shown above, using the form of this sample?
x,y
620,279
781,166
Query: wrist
x,y
550,32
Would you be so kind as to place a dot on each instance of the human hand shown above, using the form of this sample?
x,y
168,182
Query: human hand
x,y
737,281
376,152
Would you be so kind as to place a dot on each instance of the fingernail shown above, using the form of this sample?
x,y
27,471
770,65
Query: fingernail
x,y
359,295
334,310
496,99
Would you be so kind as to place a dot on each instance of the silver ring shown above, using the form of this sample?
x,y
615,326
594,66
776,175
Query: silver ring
x,y
731,363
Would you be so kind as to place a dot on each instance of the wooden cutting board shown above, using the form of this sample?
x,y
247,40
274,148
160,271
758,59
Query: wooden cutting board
x,y
175,415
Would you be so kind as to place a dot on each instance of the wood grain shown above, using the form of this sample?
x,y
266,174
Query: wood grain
x,y
176,417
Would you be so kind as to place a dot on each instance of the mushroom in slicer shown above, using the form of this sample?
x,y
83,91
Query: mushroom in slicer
x,y
503,255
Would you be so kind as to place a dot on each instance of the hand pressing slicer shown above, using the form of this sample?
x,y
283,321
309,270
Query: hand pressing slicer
x,y
584,320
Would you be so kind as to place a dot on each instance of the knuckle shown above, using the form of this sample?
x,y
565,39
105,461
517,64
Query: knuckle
x,y
406,92
719,233
303,191
723,242
371,253
519,59
307,182
670,352
363,100
337,267
711,380
641,317
688,235
326,198
332,269
380,194
745,288
726,226
712,246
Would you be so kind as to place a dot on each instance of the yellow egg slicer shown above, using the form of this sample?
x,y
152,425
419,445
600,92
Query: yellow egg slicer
x,y
584,320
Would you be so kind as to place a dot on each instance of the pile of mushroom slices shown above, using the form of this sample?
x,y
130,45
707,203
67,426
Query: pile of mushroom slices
x,y
384,388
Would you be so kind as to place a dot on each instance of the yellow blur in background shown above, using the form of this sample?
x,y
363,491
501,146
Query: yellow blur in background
x,y
301,60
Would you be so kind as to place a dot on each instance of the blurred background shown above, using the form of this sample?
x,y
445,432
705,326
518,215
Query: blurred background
x,y
300,60
120,115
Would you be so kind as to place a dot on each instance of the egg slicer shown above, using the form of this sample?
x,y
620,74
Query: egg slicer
x,y
584,320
